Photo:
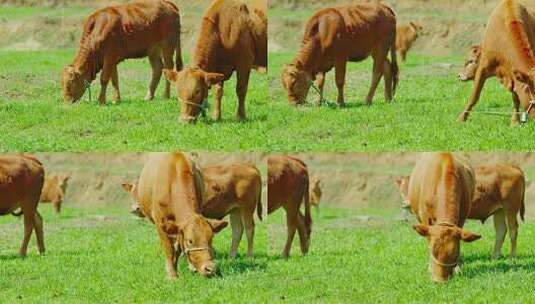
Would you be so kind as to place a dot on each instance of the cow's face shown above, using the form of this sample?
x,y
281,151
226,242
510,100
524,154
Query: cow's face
x,y
195,241
444,247
417,28
72,84
471,64
131,189
296,82
192,87
403,185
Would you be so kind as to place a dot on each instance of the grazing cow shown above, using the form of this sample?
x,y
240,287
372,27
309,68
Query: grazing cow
x,y
233,37
315,192
440,193
336,35
110,35
499,192
406,34
287,188
233,189
471,63
170,192
508,52
21,182
54,190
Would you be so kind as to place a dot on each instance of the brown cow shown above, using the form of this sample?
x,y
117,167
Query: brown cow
x,y
287,188
315,192
54,190
233,189
440,193
508,52
406,34
233,37
499,192
336,35
21,181
171,193
110,35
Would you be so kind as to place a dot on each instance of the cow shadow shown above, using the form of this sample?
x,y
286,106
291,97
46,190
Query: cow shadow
x,y
501,265
10,257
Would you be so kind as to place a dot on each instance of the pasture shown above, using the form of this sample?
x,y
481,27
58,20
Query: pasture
x,y
38,41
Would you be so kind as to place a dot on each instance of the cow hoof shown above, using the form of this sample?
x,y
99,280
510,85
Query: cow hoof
x,y
149,98
462,117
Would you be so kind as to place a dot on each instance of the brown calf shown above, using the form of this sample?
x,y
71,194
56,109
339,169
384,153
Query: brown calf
x,y
507,52
110,35
440,193
21,181
170,192
315,192
233,189
336,35
288,188
233,37
54,190
406,34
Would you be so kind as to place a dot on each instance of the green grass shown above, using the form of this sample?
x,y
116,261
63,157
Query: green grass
x,y
422,116
107,256
34,117
356,256
376,259
24,13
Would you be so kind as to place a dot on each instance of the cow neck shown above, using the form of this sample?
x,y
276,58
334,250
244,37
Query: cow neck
x,y
88,62
525,57
309,56
187,197
205,55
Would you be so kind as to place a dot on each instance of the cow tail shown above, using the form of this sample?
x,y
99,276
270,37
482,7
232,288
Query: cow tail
x,y
394,63
17,214
522,204
259,204
308,218
178,56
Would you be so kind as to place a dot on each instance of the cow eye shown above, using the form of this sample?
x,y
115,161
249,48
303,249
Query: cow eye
x,y
190,241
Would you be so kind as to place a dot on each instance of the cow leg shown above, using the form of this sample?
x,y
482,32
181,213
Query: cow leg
x,y
248,222
167,54
241,91
170,254
303,237
320,82
376,77
155,60
105,76
340,75
515,119
291,223
387,72
115,83
500,229
237,232
57,206
512,224
479,82
38,226
28,228
218,96
403,54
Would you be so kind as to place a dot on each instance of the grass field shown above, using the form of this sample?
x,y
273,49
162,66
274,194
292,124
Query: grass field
x,y
356,256
422,116
34,117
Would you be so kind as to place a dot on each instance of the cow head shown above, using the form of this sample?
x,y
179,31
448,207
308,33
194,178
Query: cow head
x,y
444,247
62,181
403,185
131,189
72,83
417,28
296,82
194,238
471,64
192,87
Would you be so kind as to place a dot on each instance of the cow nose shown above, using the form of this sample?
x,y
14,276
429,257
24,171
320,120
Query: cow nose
x,y
210,269
462,77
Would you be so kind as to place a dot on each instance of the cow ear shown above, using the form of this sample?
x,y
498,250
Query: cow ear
x,y
127,187
468,236
171,75
521,76
213,78
217,225
422,230
170,228
399,181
